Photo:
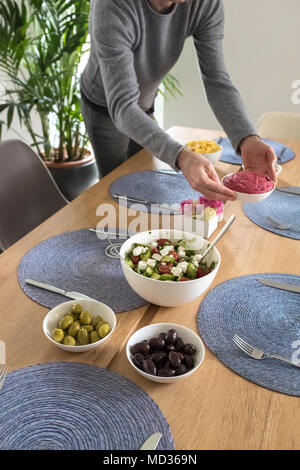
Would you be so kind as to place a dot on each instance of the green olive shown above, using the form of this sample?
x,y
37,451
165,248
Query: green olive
x,y
88,328
85,318
69,340
65,322
73,329
73,315
96,319
77,308
99,324
94,336
57,335
83,336
103,330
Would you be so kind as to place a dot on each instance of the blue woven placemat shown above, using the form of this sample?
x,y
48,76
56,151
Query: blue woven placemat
x,y
74,406
284,153
266,318
76,261
281,207
156,187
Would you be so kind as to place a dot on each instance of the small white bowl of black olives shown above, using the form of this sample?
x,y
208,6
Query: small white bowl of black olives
x,y
78,326
165,352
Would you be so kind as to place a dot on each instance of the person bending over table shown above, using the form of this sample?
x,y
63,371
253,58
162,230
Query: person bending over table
x,y
134,44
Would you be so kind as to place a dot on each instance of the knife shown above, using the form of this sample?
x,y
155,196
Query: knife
x,y
72,295
291,190
152,442
280,285
141,201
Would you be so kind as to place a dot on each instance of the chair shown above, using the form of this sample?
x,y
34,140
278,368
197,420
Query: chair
x,y
28,193
279,125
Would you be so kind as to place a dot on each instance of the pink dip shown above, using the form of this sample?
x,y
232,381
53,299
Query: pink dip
x,y
249,182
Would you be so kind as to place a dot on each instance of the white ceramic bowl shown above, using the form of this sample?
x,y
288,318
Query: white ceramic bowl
x,y
213,157
168,293
93,306
248,198
187,335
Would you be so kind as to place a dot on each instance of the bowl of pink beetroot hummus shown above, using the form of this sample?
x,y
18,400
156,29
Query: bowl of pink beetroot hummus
x,y
249,186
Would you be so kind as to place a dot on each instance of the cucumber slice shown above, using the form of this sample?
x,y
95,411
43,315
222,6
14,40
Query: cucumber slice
x,y
149,271
167,277
191,271
129,262
155,276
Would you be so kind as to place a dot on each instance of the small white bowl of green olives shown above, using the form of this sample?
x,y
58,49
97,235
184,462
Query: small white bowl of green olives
x,y
78,326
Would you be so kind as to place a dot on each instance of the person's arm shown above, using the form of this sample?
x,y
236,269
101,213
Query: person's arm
x,y
223,96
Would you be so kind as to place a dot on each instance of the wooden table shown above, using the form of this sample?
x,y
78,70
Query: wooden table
x,y
214,408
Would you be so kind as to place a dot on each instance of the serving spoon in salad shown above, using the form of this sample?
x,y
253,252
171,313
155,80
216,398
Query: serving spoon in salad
x,y
219,236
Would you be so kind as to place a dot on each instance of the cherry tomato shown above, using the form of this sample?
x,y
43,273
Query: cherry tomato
x,y
162,241
135,259
165,268
174,254
200,272
184,279
154,250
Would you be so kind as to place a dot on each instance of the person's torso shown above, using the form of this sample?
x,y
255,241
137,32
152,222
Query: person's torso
x,y
158,43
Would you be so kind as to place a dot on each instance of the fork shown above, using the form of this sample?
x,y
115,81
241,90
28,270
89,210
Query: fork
x,y
282,226
3,374
257,353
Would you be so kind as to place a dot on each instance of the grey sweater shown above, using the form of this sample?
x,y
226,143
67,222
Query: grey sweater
x,y
133,47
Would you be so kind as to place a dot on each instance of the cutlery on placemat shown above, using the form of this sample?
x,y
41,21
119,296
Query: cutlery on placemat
x,y
3,374
152,442
258,353
42,285
281,153
166,172
280,285
219,140
281,226
142,201
290,190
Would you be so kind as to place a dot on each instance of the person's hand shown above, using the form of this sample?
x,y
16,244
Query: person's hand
x,y
258,156
202,176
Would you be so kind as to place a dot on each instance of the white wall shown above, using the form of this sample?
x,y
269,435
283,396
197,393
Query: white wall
x,y
262,51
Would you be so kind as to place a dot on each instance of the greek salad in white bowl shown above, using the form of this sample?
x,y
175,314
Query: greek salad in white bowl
x,y
165,267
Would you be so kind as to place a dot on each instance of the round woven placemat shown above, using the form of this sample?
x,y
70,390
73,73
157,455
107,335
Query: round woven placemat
x,y
74,406
280,207
76,261
264,317
284,153
153,186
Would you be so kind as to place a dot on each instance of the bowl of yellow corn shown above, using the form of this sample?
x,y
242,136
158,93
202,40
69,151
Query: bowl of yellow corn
x,y
208,148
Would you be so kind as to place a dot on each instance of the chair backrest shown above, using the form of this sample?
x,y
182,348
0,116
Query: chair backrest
x,y
28,193
279,125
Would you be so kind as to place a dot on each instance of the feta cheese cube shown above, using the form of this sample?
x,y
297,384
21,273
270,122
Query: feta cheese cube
x,y
153,244
197,257
169,248
164,252
139,250
176,271
195,263
142,265
183,265
151,262
181,253
157,256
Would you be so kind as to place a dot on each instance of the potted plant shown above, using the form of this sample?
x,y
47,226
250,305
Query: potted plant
x,y
42,44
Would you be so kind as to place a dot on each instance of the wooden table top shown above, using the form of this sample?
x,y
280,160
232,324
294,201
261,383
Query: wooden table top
x,y
214,408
